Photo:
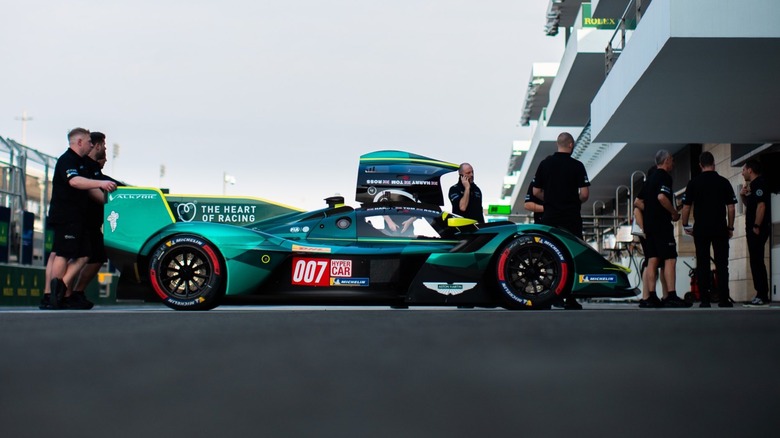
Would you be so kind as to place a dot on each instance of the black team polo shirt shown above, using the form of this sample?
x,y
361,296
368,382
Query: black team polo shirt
x,y
68,203
561,177
709,193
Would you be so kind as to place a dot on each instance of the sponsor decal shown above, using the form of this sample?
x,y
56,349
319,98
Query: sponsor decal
x,y
598,278
550,245
144,196
341,268
307,271
219,213
359,282
185,303
185,239
403,181
295,229
305,229
310,272
449,288
304,248
227,213
112,219
265,258
186,212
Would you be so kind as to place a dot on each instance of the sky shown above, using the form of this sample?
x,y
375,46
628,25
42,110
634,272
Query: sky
x,y
284,96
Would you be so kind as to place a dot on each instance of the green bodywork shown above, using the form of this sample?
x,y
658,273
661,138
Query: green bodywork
x,y
260,248
137,220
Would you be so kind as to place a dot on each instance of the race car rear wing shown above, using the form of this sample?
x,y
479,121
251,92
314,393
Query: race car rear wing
x,y
400,176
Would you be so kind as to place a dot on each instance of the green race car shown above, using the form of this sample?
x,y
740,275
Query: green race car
x,y
398,248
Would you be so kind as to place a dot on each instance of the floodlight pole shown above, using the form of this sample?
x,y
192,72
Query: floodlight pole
x,y
24,120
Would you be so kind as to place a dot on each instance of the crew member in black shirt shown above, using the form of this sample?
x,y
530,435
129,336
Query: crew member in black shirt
x,y
94,162
756,199
639,209
69,199
713,200
562,184
465,196
659,213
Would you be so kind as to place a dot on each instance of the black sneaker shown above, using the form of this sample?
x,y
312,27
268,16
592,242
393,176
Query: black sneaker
x,y
651,303
705,304
77,301
725,303
572,304
45,305
673,301
558,303
57,293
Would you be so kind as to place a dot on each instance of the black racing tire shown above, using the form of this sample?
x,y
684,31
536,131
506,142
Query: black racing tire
x,y
532,271
188,273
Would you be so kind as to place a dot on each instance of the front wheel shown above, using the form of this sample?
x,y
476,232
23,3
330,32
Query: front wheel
x,y
187,273
532,272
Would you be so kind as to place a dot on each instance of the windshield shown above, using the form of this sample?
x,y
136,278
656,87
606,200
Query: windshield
x,y
401,222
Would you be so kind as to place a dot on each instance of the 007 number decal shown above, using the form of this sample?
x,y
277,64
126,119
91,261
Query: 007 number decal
x,y
310,272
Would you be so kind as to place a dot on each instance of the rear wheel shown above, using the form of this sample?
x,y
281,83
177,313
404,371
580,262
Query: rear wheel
x,y
532,272
187,272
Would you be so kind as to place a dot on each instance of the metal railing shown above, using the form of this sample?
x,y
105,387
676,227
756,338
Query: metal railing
x,y
16,174
630,18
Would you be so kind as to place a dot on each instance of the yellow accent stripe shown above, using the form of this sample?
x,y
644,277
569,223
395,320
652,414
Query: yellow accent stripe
x,y
154,189
619,268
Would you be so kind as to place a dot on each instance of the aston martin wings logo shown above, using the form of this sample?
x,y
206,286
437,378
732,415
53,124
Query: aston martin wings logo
x,y
449,288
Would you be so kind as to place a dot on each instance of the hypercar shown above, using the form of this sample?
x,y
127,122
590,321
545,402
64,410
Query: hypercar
x,y
399,248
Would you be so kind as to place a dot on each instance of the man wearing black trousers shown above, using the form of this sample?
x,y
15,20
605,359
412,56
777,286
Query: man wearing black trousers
x,y
561,183
713,200
756,198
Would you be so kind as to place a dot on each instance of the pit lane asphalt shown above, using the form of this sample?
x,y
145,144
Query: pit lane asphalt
x,y
611,370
